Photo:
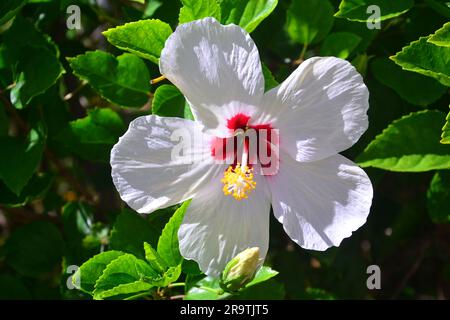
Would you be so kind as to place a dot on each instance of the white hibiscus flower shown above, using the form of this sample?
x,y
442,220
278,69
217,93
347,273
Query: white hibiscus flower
x,y
319,196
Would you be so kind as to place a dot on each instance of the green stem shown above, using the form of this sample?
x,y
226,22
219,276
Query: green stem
x,y
215,291
439,8
302,54
177,284
139,295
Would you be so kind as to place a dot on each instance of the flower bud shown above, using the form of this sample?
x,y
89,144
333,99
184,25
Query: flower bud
x,y
240,270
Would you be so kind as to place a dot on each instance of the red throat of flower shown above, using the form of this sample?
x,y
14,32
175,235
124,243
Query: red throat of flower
x,y
249,144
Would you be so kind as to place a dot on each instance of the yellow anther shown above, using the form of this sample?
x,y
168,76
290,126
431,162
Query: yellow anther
x,y
238,182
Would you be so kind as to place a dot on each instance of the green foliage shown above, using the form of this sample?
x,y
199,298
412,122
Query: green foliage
x,y
422,152
34,249
168,241
36,65
197,9
426,58
9,8
20,159
412,87
445,137
438,197
60,117
309,21
130,231
340,44
123,80
246,13
144,38
356,10
442,36
168,101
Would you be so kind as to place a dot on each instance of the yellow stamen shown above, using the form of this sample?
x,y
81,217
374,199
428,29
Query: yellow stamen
x,y
156,80
238,182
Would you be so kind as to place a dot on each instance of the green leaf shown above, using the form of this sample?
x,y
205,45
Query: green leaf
x,y
263,274
426,58
269,80
36,188
445,137
168,101
123,276
409,144
207,288
9,8
198,9
34,59
100,126
93,136
34,249
438,197
130,231
412,87
246,13
168,247
442,36
171,275
356,10
91,270
145,38
339,44
20,159
123,80
12,288
269,290
155,260
309,21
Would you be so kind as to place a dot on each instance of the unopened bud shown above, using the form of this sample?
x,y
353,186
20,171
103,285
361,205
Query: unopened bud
x,y
240,270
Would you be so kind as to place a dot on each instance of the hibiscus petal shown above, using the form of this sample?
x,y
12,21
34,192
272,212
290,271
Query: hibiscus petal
x,y
320,203
217,227
216,67
320,109
145,172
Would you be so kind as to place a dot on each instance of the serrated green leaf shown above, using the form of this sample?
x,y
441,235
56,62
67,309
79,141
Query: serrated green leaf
x,y
269,80
426,58
129,233
124,275
207,288
246,13
123,80
155,260
20,159
198,9
92,137
171,275
168,101
412,87
168,246
91,270
34,60
9,8
409,144
309,21
145,38
438,197
445,137
356,10
442,36
264,273
269,290
34,249
36,188
100,126
339,44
